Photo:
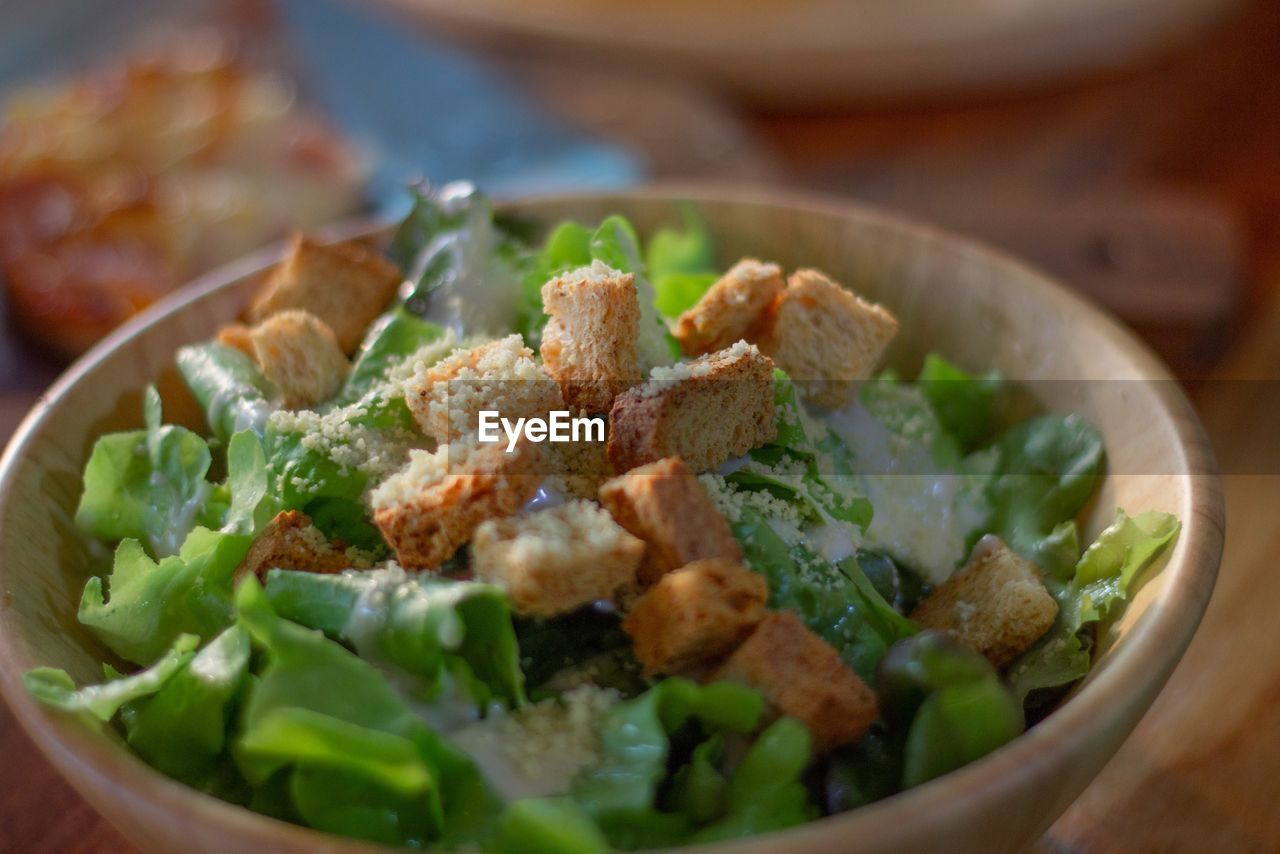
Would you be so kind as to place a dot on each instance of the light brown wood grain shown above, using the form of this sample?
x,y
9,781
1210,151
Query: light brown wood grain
x,y
978,306
1199,773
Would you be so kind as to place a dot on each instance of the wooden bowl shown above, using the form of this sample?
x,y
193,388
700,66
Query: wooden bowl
x,y
973,304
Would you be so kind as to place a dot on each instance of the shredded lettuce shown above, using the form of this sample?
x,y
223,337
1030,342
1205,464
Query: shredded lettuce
x,y
1102,579
146,604
148,484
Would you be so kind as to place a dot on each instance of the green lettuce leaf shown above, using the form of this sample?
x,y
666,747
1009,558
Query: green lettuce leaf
x,y
806,464
438,631
1102,580
360,763
951,702
965,403
228,385
248,484
548,826
766,792
635,742
146,604
581,638
682,263
836,601
958,725
54,687
182,730
1045,470
393,337
147,484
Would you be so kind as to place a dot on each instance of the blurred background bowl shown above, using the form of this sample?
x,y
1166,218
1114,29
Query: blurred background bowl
x,y
974,304
797,53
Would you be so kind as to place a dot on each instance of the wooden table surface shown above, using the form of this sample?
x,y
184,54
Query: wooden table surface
x,y
1201,128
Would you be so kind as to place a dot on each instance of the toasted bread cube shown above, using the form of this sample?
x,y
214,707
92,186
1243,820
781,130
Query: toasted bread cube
x,y
297,352
580,467
446,398
432,506
733,309
695,615
589,344
663,504
236,336
556,560
704,411
995,604
826,338
346,285
802,676
291,541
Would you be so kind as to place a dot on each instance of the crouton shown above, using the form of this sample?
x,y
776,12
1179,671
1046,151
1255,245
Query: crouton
x,y
589,344
446,398
704,411
802,676
580,467
298,353
236,336
826,338
433,505
556,560
664,504
996,604
346,285
695,615
291,541
734,309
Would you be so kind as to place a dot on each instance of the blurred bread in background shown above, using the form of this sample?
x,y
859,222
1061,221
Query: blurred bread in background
x,y
123,182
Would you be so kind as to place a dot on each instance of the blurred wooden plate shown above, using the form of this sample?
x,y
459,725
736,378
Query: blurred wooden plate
x,y
781,53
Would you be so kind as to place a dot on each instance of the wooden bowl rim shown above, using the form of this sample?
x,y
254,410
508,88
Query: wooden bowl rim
x,y
1151,649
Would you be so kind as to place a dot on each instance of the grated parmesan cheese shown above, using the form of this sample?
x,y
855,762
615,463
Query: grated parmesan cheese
x,y
538,750
731,501
338,436
446,397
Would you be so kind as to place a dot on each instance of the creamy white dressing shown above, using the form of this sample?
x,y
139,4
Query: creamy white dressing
x,y
180,516
545,497
922,515
476,294
538,750
485,743
251,414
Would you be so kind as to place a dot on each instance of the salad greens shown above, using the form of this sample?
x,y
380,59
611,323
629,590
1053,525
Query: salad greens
x,y
339,701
